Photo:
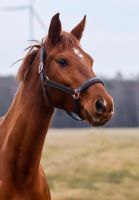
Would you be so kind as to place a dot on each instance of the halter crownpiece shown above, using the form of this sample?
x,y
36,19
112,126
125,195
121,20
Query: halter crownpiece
x,y
75,93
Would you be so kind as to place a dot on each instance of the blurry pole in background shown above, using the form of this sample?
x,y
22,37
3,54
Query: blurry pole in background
x,y
31,20
32,14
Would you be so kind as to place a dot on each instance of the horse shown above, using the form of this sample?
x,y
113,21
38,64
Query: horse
x,y
55,73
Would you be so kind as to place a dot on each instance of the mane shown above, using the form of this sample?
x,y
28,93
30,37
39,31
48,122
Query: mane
x,y
67,41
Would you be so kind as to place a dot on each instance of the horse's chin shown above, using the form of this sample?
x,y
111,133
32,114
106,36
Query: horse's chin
x,y
93,120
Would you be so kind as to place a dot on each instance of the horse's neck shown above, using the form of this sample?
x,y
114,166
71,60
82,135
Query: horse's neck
x,y
24,129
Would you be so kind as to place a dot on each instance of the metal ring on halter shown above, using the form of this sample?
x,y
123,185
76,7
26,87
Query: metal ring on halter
x,y
40,67
76,94
47,78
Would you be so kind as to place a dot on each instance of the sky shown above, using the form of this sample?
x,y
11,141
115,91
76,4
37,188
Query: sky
x,y
111,35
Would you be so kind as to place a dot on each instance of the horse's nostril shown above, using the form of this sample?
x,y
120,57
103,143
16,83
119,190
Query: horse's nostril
x,y
100,106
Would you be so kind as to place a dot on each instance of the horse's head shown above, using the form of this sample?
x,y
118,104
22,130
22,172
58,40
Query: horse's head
x,y
68,64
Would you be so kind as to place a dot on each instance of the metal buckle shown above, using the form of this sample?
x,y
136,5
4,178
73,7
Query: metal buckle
x,y
40,67
76,94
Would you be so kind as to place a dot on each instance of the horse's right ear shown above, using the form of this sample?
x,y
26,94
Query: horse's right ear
x,y
54,29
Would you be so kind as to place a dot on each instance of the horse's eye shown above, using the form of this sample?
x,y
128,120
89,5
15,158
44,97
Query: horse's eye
x,y
62,62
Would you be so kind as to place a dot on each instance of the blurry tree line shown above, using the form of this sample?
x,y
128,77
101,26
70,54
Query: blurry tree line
x,y
124,92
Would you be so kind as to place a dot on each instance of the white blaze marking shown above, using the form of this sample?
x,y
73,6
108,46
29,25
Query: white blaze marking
x,y
78,53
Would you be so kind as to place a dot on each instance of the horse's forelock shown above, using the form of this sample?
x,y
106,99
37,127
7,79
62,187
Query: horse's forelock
x,y
68,41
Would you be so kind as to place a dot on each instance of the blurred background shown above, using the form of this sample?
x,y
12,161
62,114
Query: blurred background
x,y
105,163
111,37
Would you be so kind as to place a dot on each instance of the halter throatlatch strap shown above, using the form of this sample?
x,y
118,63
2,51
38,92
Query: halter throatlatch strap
x,y
75,93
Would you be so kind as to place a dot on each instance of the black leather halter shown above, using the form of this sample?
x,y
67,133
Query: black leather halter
x,y
75,93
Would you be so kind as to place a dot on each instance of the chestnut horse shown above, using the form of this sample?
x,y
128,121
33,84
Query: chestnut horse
x,y
65,80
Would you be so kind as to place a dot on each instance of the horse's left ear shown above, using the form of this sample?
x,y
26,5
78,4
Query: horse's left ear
x,y
54,32
78,30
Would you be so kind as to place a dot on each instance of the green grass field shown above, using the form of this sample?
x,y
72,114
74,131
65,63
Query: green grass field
x,y
92,164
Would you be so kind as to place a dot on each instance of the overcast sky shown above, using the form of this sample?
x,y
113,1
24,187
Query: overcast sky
x,y
111,36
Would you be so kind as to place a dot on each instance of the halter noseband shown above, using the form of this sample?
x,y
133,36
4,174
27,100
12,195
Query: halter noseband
x,y
75,93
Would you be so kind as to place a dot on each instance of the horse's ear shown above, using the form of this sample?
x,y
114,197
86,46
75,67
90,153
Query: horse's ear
x,y
54,29
78,30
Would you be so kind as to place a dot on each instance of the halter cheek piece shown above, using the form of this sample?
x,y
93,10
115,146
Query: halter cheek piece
x,y
75,93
